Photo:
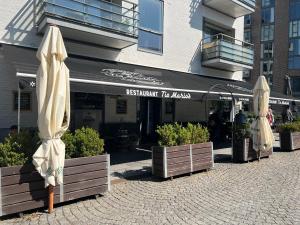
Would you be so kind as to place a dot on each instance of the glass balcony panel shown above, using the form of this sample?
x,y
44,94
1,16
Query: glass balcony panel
x,y
227,48
95,13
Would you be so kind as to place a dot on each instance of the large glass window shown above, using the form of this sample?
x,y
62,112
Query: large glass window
x,y
247,35
294,54
266,69
294,9
267,3
247,20
294,28
267,50
267,15
267,32
151,25
296,86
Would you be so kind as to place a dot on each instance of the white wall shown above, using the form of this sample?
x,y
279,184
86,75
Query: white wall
x,y
110,110
183,22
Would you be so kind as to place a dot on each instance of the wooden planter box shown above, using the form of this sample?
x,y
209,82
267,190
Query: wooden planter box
x,y
178,160
289,141
242,151
22,188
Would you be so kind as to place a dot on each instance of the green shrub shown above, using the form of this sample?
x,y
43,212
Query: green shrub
x,y
17,149
9,155
199,134
68,139
289,127
167,135
176,134
241,131
87,142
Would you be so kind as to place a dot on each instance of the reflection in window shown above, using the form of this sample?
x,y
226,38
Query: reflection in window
x,y
267,50
294,29
267,15
247,35
295,81
267,3
294,9
266,69
25,101
267,32
294,54
247,20
151,25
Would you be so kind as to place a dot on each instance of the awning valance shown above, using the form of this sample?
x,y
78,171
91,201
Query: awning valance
x,y
118,78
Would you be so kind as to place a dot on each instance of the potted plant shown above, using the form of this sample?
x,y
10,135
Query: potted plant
x,y
242,150
86,171
289,134
181,150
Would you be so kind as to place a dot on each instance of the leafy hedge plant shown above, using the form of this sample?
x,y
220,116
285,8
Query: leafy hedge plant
x,y
17,149
241,131
84,142
175,134
290,127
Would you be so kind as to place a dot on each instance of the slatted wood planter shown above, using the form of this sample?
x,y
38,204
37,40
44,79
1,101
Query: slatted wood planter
x,y
242,151
289,141
178,160
22,188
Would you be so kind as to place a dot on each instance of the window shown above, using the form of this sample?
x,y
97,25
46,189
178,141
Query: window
x,y
267,3
294,9
121,106
294,54
267,15
294,29
295,81
25,101
267,50
267,32
247,20
247,35
151,25
266,69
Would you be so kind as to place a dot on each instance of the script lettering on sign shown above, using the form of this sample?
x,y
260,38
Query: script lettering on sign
x,y
160,94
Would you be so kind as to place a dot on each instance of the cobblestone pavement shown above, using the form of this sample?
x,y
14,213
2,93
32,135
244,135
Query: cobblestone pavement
x,y
265,192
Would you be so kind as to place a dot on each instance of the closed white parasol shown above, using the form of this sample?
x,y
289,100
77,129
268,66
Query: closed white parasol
x,y
53,95
262,134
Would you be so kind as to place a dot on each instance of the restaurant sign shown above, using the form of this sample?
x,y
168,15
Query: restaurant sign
x,y
158,93
278,102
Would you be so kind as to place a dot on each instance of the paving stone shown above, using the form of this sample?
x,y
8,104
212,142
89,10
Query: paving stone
x,y
264,192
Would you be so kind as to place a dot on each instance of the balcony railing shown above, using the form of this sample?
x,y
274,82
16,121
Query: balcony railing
x,y
95,13
224,47
250,3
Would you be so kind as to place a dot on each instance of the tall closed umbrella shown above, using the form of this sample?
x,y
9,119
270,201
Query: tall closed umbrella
x,y
53,95
262,134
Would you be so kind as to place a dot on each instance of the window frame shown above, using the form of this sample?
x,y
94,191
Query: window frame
x,y
15,104
154,32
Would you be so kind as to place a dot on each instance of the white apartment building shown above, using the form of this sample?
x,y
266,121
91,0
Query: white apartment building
x,y
133,63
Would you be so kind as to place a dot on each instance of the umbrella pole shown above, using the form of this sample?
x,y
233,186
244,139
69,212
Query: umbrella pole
x,y
51,198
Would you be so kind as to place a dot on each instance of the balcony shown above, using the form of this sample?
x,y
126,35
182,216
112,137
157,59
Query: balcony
x,y
226,53
109,24
233,8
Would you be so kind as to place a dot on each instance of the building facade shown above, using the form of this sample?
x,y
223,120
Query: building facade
x,y
126,40
275,32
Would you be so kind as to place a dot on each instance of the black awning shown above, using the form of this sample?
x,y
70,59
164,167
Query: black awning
x,y
134,80
118,78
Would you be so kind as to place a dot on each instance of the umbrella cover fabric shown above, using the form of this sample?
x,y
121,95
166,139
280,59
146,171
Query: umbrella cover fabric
x,y
262,134
53,95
